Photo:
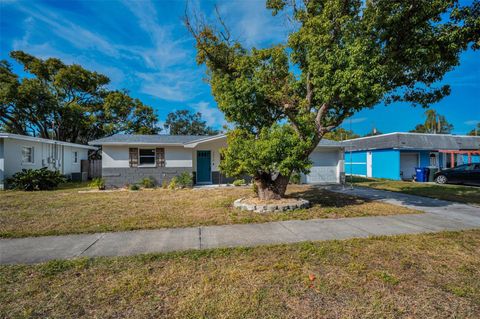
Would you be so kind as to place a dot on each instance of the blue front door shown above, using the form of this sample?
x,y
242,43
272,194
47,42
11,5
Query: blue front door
x,y
203,167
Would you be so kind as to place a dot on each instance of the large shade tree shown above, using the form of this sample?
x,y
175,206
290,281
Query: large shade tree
x,y
67,102
434,124
186,122
342,56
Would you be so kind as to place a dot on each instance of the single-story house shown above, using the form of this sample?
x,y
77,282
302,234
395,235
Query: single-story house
x,y
127,159
396,155
19,152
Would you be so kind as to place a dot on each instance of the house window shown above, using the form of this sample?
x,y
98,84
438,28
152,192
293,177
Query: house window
x,y
27,155
75,157
146,157
433,159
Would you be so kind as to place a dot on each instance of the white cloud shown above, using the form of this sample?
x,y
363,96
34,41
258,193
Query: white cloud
x,y
472,122
252,23
173,86
356,120
211,114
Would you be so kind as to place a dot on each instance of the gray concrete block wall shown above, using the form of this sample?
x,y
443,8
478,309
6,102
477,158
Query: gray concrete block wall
x,y
219,178
119,177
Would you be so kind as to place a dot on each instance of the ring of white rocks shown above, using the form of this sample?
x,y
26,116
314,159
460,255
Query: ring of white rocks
x,y
270,208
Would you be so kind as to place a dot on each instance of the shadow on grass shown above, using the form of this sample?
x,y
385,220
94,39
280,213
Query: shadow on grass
x,y
325,198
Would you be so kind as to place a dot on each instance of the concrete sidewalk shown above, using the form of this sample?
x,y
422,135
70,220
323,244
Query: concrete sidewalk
x,y
439,216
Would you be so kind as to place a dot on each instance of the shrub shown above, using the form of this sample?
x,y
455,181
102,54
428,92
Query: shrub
x,y
238,182
148,182
164,184
173,183
134,187
36,179
185,180
97,183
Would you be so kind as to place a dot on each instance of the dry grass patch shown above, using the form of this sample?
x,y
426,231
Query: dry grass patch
x,y
454,193
416,276
67,211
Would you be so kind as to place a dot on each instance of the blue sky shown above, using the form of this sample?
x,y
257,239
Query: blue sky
x,y
144,47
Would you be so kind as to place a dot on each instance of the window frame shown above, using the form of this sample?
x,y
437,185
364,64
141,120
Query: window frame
x,y
75,157
32,155
154,164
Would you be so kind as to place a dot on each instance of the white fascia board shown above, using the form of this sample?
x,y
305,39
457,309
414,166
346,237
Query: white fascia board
x,y
43,140
205,140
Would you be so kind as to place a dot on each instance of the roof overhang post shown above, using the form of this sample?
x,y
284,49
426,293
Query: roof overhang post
x,y
452,160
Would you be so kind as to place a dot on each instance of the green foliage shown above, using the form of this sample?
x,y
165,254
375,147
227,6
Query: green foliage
x,y
134,187
295,178
97,183
342,57
36,179
184,122
72,99
277,149
185,180
173,183
239,182
341,134
475,131
148,182
434,124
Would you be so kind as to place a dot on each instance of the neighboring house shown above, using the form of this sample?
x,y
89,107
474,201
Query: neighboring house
x,y
127,159
19,152
395,155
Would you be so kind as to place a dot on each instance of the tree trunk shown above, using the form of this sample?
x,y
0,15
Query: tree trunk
x,y
269,188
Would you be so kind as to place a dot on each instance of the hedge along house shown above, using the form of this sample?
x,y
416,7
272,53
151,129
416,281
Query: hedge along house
x,y
395,155
127,159
19,152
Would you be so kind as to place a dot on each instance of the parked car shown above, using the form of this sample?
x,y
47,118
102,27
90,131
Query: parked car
x,y
468,174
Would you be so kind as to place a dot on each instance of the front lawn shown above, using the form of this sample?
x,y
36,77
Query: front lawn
x,y
455,193
415,276
67,211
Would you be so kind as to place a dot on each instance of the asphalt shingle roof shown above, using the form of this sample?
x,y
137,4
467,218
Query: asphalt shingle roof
x,y
147,139
414,141
171,139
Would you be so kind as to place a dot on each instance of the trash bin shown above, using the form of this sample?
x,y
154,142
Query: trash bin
x,y
431,172
421,174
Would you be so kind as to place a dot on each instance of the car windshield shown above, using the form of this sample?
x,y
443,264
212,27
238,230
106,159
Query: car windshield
x,y
461,167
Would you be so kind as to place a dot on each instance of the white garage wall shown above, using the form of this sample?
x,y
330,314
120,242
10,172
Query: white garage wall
x,y
327,166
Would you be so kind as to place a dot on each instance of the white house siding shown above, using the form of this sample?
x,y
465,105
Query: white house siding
x,y
117,156
12,156
2,163
117,172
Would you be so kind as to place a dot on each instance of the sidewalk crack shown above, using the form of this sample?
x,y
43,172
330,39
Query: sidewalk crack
x,y
89,246
199,237
291,231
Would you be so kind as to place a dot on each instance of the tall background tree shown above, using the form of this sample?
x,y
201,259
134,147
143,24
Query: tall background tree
x,y
343,56
67,102
185,122
434,124
475,131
